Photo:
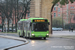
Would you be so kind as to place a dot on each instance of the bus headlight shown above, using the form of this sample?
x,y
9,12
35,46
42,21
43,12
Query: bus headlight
x,y
47,34
33,34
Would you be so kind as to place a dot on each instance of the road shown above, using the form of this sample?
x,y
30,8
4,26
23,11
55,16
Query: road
x,y
51,43
5,43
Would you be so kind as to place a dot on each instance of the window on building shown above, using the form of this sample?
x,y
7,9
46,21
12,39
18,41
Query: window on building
x,y
72,13
54,14
58,9
72,7
54,8
59,15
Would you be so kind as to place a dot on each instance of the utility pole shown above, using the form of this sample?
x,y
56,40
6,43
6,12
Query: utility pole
x,y
6,26
62,16
17,15
67,13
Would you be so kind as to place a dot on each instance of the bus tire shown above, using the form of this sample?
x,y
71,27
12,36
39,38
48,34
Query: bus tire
x,y
44,38
23,34
29,35
19,34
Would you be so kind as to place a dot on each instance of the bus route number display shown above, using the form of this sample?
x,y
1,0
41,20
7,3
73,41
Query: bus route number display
x,y
39,20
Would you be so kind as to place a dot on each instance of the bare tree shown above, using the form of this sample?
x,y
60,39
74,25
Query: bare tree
x,y
17,7
26,4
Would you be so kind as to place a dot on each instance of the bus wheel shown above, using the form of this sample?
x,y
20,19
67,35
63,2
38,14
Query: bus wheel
x,y
23,34
29,35
44,38
19,34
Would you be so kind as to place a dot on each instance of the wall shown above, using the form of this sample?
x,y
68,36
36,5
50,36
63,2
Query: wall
x,y
41,8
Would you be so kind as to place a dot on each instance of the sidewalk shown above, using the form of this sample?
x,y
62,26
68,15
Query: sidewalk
x,y
63,34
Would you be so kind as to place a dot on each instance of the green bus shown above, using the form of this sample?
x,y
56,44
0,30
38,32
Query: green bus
x,y
33,27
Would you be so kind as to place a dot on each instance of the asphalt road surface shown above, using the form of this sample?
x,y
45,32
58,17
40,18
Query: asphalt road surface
x,y
49,44
5,43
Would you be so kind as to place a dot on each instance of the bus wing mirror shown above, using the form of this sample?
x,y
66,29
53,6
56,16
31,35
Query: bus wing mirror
x,y
30,24
48,23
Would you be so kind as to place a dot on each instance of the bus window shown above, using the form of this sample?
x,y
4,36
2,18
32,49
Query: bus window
x,y
40,27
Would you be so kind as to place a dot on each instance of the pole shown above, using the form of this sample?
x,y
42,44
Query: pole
x,y
67,13
17,15
6,26
62,17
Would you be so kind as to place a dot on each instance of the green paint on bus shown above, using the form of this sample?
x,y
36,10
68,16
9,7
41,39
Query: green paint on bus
x,y
33,27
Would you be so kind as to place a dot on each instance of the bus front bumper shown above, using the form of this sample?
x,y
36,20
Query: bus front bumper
x,y
40,35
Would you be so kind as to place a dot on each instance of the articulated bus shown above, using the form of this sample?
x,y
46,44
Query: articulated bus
x,y
33,27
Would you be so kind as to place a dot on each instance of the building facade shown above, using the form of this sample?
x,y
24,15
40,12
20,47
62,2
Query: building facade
x,y
41,8
65,11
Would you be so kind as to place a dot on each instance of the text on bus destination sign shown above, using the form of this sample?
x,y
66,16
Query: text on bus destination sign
x,y
39,20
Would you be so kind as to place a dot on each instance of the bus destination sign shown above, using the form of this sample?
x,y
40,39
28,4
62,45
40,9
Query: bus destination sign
x,y
39,20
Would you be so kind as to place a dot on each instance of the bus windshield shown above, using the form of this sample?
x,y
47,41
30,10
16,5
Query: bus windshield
x,y
40,26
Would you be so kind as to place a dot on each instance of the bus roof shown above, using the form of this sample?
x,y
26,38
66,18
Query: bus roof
x,y
23,19
31,19
34,18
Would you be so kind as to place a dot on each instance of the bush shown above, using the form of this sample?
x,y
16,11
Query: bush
x,y
57,22
0,26
70,25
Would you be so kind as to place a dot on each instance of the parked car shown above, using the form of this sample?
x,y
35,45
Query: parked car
x,y
0,30
57,29
10,29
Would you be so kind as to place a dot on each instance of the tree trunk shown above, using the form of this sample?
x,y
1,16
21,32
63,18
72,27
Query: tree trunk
x,y
8,25
2,27
12,27
2,24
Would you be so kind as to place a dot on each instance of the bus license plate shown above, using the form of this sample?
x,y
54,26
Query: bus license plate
x,y
40,36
